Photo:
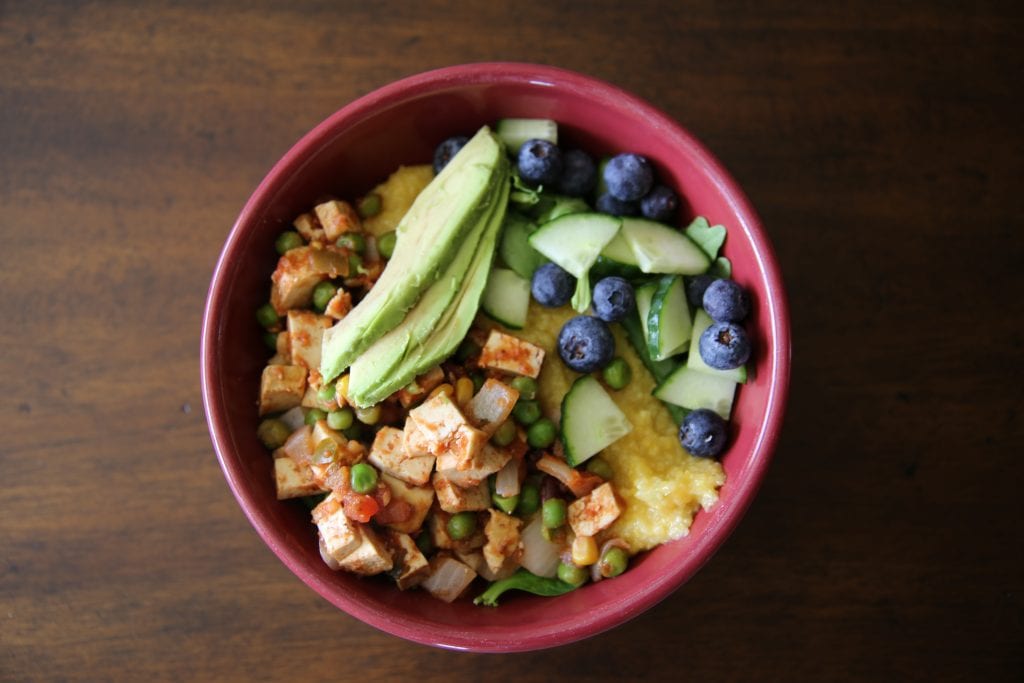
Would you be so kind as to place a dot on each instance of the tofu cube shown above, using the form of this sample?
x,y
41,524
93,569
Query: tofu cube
x,y
491,406
415,441
511,354
418,389
337,217
309,227
595,511
503,540
448,577
281,387
371,557
464,449
293,480
419,498
299,271
454,498
388,454
411,566
305,333
489,461
341,536
446,433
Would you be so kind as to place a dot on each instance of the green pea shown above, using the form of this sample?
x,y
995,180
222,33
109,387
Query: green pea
x,y
355,264
340,419
322,295
526,412
369,205
267,316
529,499
478,381
526,386
288,240
314,415
363,478
354,432
461,525
505,434
368,416
505,504
553,513
270,339
386,244
600,467
541,433
614,562
425,542
273,433
353,241
467,349
326,392
617,373
571,574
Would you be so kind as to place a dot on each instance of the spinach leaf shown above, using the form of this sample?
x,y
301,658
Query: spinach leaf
x,y
708,237
524,581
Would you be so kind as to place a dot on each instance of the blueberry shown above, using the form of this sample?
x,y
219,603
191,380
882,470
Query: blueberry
x,y
628,177
724,346
726,302
616,207
579,174
659,204
586,343
448,149
552,286
539,162
695,288
703,433
613,299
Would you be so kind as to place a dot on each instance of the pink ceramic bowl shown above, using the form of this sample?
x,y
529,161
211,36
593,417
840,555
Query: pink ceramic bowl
x,y
346,155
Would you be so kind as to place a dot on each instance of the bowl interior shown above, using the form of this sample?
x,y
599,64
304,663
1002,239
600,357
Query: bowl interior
x,y
347,155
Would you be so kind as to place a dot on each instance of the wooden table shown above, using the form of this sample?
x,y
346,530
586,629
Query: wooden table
x,y
882,148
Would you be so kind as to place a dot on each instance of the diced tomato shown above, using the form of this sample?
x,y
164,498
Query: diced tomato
x,y
398,511
359,507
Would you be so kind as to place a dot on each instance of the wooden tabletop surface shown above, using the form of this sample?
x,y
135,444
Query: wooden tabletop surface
x,y
882,146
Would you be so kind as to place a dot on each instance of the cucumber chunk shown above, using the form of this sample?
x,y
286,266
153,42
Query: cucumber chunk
x,y
661,249
590,420
514,132
506,298
644,294
668,320
659,369
515,249
617,259
693,389
701,322
574,242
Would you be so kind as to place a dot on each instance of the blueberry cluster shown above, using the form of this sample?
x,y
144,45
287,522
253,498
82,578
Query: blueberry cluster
x,y
725,344
631,190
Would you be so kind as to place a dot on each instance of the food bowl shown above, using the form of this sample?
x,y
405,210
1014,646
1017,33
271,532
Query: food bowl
x,y
348,154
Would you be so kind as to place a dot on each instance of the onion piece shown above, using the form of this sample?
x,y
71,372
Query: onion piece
x,y
299,446
448,578
580,483
506,482
595,569
294,418
540,556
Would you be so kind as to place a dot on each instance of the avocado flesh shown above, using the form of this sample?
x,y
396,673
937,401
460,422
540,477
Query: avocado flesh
x,y
435,327
435,227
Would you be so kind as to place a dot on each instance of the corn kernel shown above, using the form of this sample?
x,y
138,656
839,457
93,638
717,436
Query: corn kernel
x,y
584,551
463,391
341,391
442,389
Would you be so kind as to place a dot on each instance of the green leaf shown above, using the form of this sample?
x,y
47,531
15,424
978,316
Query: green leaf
x,y
523,580
582,295
522,194
722,267
708,237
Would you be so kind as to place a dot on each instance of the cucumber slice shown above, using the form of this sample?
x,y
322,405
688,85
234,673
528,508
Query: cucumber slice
x,y
644,294
590,420
506,298
552,206
659,369
693,389
668,320
701,322
514,132
617,259
574,243
515,249
661,249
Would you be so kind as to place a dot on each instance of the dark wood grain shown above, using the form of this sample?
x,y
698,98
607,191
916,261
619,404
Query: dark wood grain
x,y
882,147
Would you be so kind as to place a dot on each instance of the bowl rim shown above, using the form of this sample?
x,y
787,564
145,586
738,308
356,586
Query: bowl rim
x,y
777,316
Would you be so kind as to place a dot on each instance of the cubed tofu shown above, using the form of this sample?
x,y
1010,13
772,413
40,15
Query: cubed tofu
x,y
446,433
299,271
371,557
503,540
454,498
309,227
511,354
595,511
281,387
305,333
337,217
341,536
492,405
411,566
418,389
448,577
293,480
339,305
489,461
463,449
388,454
420,498
414,440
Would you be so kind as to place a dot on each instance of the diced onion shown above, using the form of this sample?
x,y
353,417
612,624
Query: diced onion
x,y
299,446
293,418
448,578
540,556
506,483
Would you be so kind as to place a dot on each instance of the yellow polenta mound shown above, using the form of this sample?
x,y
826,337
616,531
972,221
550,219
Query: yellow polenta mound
x,y
662,485
397,194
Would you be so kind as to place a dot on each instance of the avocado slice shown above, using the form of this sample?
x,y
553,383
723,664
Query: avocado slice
x,y
434,229
435,327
